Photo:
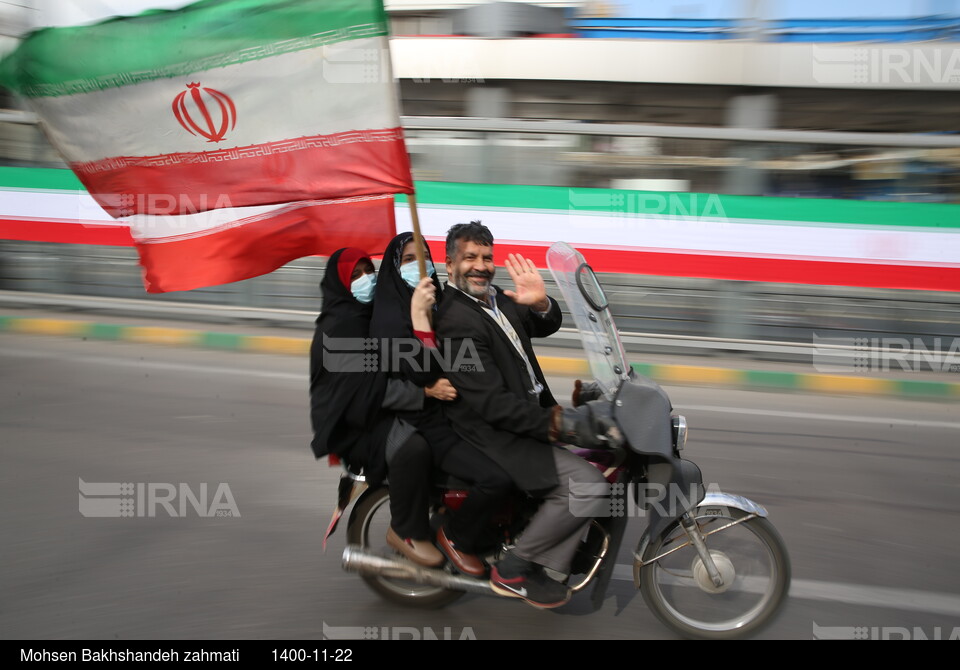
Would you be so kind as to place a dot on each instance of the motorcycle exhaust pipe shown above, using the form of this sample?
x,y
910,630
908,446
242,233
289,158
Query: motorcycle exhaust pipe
x,y
359,560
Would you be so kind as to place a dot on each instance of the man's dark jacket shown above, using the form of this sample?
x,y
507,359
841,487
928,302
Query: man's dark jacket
x,y
494,410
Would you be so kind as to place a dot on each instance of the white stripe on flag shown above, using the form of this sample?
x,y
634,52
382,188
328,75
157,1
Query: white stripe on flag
x,y
147,229
331,89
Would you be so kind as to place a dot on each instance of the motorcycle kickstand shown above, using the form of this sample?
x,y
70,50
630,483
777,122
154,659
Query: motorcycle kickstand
x,y
692,529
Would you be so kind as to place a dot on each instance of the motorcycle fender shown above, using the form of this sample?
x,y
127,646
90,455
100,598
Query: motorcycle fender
x,y
713,500
679,477
348,489
720,501
364,493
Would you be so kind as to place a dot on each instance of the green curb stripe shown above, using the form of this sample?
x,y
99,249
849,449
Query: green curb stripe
x,y
795,381
229,341
770,379
645,369
756,379
104,331
939,389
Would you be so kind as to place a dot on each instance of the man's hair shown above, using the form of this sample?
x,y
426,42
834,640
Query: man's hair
x,y
474,232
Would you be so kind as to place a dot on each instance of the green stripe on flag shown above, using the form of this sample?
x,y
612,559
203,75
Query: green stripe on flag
x,y
163,43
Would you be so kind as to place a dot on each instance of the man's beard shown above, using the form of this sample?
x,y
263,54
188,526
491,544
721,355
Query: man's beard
x,y
463,283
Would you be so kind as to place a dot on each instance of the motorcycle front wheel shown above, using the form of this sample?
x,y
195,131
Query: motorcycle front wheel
x,y
368,528
750,556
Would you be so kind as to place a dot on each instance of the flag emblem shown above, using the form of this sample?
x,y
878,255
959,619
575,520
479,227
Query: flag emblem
x,y
209,128
310,164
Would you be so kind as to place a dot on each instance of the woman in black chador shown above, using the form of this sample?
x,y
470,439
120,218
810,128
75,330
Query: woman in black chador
x,y
403,327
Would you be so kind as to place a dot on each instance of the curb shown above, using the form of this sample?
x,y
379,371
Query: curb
x,y
182,337
678,375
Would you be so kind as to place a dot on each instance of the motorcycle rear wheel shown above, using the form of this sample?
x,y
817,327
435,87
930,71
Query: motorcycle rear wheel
x,y
370,522
750,555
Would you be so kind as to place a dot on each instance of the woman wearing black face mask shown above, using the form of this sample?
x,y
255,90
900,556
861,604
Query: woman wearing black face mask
x,y
408,332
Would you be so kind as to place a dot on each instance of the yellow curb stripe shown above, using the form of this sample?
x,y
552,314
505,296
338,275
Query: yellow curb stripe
x,y
276,345
693,374
843,384
555,365
48,326
666,374
159,335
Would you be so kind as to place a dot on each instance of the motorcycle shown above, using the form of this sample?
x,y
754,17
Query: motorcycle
x,y
708,564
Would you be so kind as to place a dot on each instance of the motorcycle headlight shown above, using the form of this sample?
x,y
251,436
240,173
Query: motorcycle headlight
x,y
678,424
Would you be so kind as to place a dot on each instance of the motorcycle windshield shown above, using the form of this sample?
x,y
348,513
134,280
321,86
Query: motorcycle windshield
x,y
591,315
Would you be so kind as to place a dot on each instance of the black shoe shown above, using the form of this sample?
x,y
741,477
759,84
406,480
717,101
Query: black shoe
x,y
517,578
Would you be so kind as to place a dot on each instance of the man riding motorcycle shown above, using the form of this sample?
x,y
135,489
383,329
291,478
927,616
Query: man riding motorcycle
x,y
505,409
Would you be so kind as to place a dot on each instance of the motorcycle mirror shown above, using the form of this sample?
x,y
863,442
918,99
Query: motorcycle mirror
x,y
590,287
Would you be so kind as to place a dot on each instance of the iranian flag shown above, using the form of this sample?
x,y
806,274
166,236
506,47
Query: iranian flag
x,y
232,135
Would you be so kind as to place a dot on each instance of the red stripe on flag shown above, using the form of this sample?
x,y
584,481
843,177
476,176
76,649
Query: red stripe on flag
x,y
367,162
259,247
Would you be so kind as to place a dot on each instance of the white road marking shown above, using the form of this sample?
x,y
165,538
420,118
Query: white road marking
x,y
856,594
820,417
154,365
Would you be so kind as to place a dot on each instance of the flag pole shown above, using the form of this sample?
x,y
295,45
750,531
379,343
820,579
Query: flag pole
x,y
417,237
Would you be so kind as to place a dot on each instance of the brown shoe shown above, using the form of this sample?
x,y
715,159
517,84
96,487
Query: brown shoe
x,y
468,564
420,552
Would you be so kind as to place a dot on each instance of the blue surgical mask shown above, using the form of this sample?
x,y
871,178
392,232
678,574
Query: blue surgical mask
x,y
411,272
362,288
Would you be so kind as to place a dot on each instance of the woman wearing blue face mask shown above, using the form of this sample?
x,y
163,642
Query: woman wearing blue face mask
x,y
354,405
341,401
406,331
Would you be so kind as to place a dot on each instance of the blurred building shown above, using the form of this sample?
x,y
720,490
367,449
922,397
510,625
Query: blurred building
x,y
736,70
698,90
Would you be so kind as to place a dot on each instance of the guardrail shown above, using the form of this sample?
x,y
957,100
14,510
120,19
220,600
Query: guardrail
x,y
666,315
